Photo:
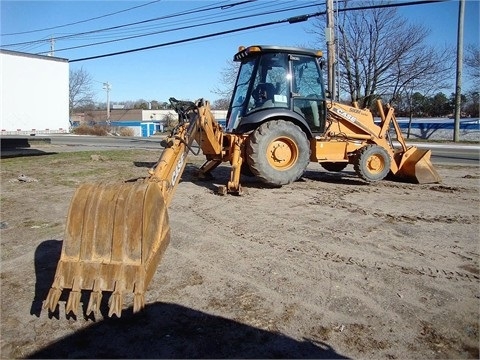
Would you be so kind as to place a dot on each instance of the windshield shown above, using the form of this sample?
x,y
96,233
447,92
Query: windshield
x,y
240,92
263,82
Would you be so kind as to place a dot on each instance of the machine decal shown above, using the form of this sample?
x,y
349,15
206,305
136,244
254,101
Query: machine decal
x,y
178,169
345,115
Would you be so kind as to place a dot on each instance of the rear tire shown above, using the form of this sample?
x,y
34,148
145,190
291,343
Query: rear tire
x,y
372,163
245,170
278,152
334,166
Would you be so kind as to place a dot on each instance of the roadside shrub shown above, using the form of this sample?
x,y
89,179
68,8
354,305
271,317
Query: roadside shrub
x,y
97,130
125,131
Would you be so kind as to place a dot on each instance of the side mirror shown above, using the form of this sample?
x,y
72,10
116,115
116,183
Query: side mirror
x,y
328,94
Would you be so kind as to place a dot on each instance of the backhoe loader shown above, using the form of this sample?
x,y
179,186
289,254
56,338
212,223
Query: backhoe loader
x,y
278,121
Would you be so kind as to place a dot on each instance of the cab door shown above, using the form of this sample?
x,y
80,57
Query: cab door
x,y
308,94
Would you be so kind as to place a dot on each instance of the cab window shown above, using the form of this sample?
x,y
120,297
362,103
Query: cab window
x,y
307,91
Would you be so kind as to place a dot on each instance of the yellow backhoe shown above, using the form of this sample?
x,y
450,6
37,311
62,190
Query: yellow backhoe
x,y
279,121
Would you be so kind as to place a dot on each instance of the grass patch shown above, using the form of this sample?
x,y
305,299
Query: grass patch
x,y
35,224
78,156
71,168
67,182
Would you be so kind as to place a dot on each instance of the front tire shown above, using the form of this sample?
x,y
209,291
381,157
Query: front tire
x,y
372,163
278,152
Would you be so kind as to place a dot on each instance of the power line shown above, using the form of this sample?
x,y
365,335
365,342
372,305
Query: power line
x,y
291,20
195,10
262,5
192,38
203,17
181,28
81,21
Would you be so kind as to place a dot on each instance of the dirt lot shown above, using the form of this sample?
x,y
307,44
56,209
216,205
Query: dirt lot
x,y
328,267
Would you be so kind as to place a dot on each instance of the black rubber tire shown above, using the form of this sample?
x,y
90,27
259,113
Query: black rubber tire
x,y
372,163
334,166
278,152
245,170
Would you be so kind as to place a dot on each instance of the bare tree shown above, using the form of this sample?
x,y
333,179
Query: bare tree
x,y
472,69
380,54
221,104
472,64
228,76
80,91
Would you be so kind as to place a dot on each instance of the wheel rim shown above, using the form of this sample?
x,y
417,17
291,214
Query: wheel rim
x,y
282,153
375,164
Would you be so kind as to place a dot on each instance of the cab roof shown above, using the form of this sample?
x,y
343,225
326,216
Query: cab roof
x,y
255,50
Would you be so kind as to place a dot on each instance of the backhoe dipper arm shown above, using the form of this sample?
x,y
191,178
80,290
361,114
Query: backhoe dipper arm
x,y
197,123
169,168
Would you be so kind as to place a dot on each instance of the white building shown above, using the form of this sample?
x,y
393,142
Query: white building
x,y
33,94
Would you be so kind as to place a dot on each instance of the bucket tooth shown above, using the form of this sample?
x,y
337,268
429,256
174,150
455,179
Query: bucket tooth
x,y
95,298
52,299
138,302
138,298
115,303
94,303
54,294
73,301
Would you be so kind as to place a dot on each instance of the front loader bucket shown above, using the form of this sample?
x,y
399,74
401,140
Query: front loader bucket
x,y
114,238
415,166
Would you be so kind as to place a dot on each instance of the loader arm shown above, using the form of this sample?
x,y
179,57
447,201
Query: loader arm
x,y
353,136
116,233
409,162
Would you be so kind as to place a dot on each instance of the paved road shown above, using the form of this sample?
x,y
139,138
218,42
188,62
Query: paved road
x,y
452,153
107,142
441,153
445,153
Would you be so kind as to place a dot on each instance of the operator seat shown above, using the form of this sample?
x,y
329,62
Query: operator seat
x,y
263,94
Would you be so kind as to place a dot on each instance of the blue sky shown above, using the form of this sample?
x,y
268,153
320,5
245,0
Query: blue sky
x,y
190,70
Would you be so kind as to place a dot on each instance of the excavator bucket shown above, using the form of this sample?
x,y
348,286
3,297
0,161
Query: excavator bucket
x,y
115,236
415,166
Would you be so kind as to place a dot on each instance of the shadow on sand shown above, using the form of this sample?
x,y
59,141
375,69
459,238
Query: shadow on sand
x,y
163,330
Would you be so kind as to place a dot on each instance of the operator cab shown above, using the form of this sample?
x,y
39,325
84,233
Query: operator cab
x,y
277,82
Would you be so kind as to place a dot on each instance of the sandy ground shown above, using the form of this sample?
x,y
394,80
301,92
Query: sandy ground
x,y
327,267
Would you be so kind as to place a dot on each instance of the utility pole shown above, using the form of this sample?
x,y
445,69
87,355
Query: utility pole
x,y
52,47
107,87
337,52
330,37
458,85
